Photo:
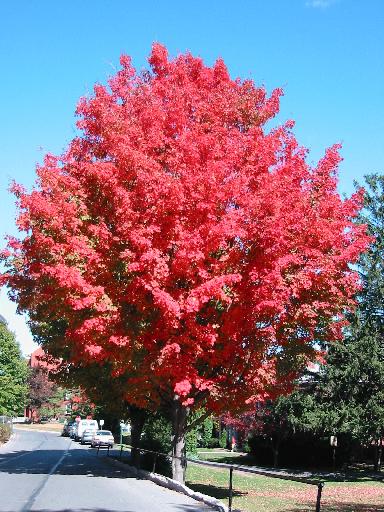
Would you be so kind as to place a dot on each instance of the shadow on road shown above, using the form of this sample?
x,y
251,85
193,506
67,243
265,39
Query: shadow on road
x,y
182,508
75,462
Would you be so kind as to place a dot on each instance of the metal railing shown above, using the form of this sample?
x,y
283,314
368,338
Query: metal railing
x,y
233,467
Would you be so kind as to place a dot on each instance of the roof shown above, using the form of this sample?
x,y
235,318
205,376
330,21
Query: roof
x,y
39,359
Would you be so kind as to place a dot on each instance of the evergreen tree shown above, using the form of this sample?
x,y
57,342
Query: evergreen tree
x,y
351,390
371,305
13,374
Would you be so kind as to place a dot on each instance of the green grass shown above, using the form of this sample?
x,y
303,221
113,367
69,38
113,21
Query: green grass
x,y
259,493
256,493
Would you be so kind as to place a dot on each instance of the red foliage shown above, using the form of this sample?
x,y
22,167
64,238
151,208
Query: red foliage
x,y
244,423
181,242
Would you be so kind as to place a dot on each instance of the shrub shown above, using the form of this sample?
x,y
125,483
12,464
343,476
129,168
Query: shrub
x,y
245,446
191,442
5,433
214,442
157,438
223,439
205,432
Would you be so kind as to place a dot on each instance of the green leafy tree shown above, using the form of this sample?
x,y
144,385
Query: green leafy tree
x,y
13,374
55,406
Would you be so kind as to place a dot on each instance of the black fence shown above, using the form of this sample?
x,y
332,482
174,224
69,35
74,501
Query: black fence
x,y
231,468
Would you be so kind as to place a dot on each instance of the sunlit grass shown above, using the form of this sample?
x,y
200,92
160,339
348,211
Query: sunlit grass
x,y
256,493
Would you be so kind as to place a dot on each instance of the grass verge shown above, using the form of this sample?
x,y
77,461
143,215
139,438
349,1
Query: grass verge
x,y
57,427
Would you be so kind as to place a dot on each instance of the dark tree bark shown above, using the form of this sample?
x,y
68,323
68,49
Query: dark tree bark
x,y
137,417
378,454
275,443
179,427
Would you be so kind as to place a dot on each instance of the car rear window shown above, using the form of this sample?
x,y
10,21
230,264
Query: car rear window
x,y
104,433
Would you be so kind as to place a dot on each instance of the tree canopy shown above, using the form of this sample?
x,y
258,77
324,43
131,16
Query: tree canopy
x,y
179,240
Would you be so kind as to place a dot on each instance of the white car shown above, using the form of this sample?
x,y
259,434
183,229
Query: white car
x,y
83,425
102,438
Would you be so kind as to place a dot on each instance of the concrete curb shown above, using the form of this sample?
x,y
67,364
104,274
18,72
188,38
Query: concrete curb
x,y
167,482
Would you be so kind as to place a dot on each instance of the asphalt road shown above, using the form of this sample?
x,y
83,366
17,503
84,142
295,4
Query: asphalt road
x,y
43,472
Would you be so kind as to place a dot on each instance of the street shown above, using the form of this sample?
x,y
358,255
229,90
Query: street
x,y
43,472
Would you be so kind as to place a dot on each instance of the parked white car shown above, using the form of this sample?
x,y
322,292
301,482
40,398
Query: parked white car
x,y
83,425
87,436
103,438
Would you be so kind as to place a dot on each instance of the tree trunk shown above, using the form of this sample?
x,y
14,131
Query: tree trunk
x,y
378,454
276,457
137,417
275,449
179,425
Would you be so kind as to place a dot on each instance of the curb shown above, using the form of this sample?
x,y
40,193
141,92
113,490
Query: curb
x,y
167,482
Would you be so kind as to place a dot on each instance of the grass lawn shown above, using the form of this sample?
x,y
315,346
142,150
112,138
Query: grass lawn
x,y
57,427
264,494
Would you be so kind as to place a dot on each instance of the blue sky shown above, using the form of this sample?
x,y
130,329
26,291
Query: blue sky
x,y
328,55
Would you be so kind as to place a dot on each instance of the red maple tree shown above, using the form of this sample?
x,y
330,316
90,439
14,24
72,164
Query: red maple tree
x,y
180,241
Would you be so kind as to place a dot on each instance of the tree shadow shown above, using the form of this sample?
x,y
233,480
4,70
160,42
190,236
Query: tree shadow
x,y
182,508
191,508
349,477
314,474
221,493
240,460
75,462
338,507
4,457
76,510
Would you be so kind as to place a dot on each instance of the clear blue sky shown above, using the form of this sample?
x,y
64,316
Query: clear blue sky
x,y
328,55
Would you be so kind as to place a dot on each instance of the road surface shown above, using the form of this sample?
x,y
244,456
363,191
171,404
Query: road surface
x,y
43,472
